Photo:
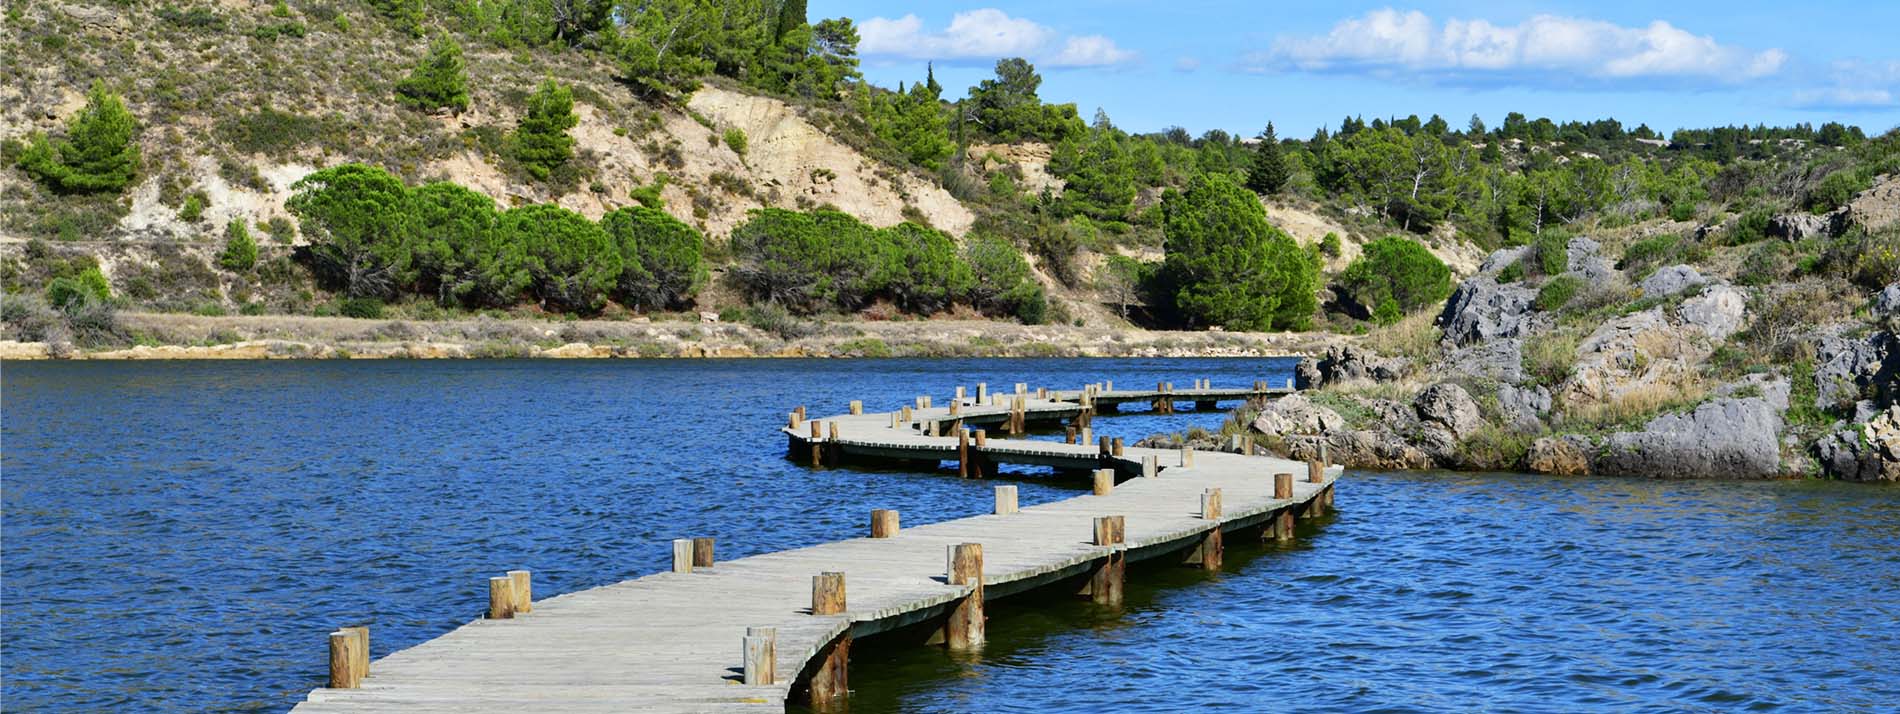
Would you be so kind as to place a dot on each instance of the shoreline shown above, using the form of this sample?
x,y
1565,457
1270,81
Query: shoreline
x,y
164,336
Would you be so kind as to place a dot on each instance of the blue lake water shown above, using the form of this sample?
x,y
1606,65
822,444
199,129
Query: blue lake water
x,y
182,537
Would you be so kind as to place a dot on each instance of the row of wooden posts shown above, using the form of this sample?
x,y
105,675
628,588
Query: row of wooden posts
x,y
511,595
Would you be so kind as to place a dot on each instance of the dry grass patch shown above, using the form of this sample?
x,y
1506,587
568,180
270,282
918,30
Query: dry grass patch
x,y
1633,408
1414,338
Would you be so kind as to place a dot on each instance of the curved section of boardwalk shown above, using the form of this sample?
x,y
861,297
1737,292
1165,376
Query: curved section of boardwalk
x,y
671,642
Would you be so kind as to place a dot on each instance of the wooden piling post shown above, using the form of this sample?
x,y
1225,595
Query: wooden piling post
x,y
963,453
702,552
1212,547
1105,582
965,567
905,414
1022,388
1087,437
833,452
1104,481
1210,504
1283,525
894,420
1150,466
817,444
1108,385
1283,486
501,598
1116,447
682,555
1068,435
959,396
827,593
1105,447
982,392
1005,500
793,421
883,523
761,655
1315,473
1187,456
521,585
344,646
857,407
830,682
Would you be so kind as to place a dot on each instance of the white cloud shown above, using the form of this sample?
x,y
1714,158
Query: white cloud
x,y
1855,84
1187,64
1842,97
986,34
1543,48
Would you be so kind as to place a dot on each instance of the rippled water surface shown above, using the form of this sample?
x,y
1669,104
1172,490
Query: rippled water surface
x,y
181,537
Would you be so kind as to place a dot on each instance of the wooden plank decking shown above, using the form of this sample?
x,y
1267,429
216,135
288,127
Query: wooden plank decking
x,y
671,642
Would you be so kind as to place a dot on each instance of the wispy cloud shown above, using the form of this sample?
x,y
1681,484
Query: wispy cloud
x,y
1543,50
1854,84
986,34
1187,64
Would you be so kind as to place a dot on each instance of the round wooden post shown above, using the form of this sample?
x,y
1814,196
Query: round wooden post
x,y
1283,525
982,438
817,444
1315,473
1116,446
1068,435
1210,504
895,423
1005,500
857,407
982,392
959,397
501,598
1283,486
1150,466
521,583
963,453
1108,385
1187,456
883,523
1105,582
965,567
1105,447
1087,437
1104,481
702,552
761,655
343,657
793,421
827,593
683,555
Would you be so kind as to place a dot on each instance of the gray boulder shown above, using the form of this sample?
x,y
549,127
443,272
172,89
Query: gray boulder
x,y
1722,438
1886,303
1523,408
1501,360
1867,452
1346,363
1295,415
1447,405
1481,309
1498,260
1770,387
1718,312
1850,369
1671,280
1582,257
1364,449
1796,226
1559,455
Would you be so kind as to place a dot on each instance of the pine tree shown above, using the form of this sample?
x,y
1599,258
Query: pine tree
x,y
439,81
1269,172
99,153
540,139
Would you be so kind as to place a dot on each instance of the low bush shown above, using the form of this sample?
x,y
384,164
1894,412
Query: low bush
x,y
1557,292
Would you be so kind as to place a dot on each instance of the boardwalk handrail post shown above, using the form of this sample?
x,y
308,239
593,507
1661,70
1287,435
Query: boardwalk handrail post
x,y
501,598
884,523
1104,481
682,555
827,593
761,655
521,585
702,552
965,567
1105,582
1005,500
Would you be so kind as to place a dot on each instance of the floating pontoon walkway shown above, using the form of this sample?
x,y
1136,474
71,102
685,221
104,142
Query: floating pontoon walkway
x,y
754,633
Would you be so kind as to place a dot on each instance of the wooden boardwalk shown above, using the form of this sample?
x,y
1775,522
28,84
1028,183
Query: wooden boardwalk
x,y
675,641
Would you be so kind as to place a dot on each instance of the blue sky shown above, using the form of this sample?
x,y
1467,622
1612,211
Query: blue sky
x,y
1237,65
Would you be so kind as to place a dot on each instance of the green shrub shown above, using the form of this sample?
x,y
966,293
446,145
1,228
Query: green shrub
x,y
1682,211
1835,190
1395,269
1003,284
194,207
571,260
100,153
439,80
1550,253
1330,245
1557,292
240,251
803,261
1388,312
1751,226
1512,273
75,291
735,140
365,308
541,142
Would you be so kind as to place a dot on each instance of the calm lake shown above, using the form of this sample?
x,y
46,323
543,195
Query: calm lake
x,y
183,536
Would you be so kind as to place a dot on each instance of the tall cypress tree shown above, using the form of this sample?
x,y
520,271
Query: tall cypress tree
x,y
1269,172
